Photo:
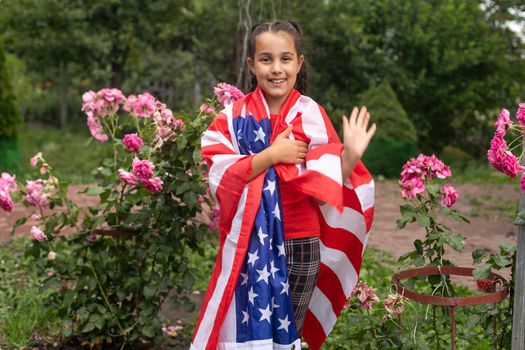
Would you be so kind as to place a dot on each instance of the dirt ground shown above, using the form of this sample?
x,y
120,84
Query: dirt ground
x,y
490,209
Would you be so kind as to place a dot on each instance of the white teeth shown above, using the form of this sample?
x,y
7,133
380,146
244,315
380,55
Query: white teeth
x,y
277,81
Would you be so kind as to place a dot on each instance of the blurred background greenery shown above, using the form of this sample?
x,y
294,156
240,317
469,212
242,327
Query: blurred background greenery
x,y
434,73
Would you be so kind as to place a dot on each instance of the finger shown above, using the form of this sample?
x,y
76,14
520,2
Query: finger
x,y
300,160
286,132
370,133
361,116
300,143
365,120
302,155
345,123
353,117
302,149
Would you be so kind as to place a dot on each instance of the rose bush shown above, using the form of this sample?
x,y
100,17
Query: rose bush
x,y
110,277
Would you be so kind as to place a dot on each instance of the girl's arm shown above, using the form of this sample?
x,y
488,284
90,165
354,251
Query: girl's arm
x,y
282,150
355,138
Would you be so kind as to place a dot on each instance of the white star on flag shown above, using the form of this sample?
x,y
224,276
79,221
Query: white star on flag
x,y
284,324
245,315
281,249
277,212
266,314
252,295
262,236
273,269
239,137
244,279
274,305
260,135
253,257
263,274
270,187
286,286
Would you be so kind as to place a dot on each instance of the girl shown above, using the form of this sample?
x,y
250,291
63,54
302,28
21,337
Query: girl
x,y
295,205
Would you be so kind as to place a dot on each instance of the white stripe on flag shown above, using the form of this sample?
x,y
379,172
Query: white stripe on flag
x,y
338,262
228,253
365,193
349,220
322,309
259,345
328,165
215,137
220,163
312,121
228,332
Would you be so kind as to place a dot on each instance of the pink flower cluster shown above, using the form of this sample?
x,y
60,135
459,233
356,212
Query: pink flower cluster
x,y
366,295
499,155
142,172
227,94
214,217
7,186
143,105
167,125
38,234
423,169
394,305
100,104
35,193
204,108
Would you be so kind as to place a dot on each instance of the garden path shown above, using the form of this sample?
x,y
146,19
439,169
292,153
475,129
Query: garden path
x,y
489,207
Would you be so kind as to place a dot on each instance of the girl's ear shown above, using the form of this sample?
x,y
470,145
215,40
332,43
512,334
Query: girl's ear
x,y
300,61
250,64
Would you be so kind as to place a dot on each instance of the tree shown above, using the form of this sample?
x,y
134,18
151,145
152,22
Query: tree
x,y
9,119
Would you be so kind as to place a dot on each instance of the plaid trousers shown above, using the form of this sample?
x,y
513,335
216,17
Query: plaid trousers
x,y
303,259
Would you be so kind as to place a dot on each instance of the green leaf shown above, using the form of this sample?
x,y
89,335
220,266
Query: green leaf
x,y
478,255
423,220
94,190
520,218
419,261
507,247
18,223
433,189
500,261
148,331
88,327
482,272
149,291
407,209
456,241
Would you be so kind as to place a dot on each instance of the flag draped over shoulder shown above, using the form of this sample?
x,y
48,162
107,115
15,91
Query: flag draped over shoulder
x,y
235,313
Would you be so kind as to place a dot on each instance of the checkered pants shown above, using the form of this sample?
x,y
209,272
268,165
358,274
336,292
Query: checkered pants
x,y
303,259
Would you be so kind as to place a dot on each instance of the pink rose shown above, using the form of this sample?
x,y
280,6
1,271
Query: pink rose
x,y
96,129
38,234
522,182
110,100
91,104
35,193
394,306
509,165
6,203
35,159
412,187
204,108
145,105
133,142
520,114
127,178
128,104
35,217
496,151
438,168
227,94
503,122
8,182
450,195
366,295
143,169
154,184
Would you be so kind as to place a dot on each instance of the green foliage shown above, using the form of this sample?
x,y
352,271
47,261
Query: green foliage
x,y
386,156
385,110
9,115
10,153
107,286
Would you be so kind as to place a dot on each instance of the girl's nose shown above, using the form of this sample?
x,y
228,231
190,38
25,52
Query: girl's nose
x,y
276,68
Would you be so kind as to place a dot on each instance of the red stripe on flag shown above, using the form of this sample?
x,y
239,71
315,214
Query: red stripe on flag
x,y
315,335
346,242
330,284
220,124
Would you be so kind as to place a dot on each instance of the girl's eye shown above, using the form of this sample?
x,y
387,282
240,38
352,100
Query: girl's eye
x,y
286,59
265,60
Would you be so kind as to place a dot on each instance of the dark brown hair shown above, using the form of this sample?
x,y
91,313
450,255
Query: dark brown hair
x,y
293,29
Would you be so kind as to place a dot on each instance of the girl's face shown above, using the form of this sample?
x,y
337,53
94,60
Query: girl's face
x,y
275,65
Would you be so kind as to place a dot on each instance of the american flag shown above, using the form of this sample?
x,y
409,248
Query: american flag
x,y
247,304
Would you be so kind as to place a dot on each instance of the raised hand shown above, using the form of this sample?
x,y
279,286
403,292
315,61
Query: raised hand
x,y
288,151
355,134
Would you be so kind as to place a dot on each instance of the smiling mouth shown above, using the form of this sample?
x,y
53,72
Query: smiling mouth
x,y
277,81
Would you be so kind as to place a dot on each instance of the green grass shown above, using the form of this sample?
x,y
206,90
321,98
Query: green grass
x,y
22,311
72,153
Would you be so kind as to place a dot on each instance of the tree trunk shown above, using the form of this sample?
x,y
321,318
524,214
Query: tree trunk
x,y
63,92
117,75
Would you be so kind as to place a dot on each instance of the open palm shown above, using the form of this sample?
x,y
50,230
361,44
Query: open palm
x,y
356,137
